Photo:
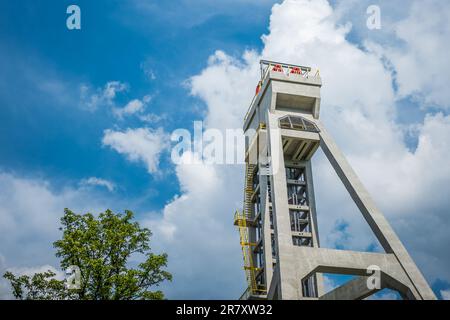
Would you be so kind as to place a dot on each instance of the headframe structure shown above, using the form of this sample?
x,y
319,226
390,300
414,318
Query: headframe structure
x,y
278,224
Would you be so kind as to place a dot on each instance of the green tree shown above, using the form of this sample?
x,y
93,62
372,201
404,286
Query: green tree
x,y
101,248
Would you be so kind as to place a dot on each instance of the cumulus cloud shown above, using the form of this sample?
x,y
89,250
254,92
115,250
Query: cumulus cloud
x,y
139,145
152,118
94,181
421,60
30,211
5,286
359,108
133,107
216,85
29,271
196,227
196,231
5,290
92,99
353,107
412,42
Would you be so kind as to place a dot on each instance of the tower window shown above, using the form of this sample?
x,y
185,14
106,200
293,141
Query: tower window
x,y
297,195
271,217
297,174
272,242
298,123
299,221
301,241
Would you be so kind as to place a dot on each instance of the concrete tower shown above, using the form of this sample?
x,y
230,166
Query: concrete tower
x,y
278,226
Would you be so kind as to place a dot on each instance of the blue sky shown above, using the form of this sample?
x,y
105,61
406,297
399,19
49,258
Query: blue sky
x,y
47,132
55,118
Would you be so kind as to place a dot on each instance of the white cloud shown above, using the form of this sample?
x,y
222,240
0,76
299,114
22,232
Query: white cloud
x,y
94,181
133,107
421,62
29,271
101,96
5,290
148,70
217,84
30,211
359,109
106,96
196,228
197,233
353,107
152,118
5,286
445,294
329,284
412,40
139,145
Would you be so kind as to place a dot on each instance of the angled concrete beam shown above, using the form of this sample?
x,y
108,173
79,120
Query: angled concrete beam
x,y
377,222
312,260
355,289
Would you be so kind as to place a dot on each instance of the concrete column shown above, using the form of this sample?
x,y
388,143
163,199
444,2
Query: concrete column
x,y
288,282
266,230
313,220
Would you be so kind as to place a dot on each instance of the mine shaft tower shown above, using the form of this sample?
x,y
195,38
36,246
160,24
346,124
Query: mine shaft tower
x,y
278,226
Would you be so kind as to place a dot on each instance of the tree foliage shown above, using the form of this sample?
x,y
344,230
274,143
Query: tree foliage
x,y
40,286
101,247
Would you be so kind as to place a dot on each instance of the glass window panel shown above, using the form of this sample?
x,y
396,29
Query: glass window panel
x,y
297,123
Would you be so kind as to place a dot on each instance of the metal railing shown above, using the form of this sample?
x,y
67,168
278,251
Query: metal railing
x,y
266,66
287,68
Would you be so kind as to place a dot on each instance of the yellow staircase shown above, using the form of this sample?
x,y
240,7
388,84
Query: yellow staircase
x,y
245,220
248,191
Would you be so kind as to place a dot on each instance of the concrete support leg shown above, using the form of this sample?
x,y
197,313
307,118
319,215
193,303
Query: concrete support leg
x,y
377,222
355,289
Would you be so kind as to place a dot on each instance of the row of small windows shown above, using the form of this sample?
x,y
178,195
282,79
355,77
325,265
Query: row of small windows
x,y
298,196
299,219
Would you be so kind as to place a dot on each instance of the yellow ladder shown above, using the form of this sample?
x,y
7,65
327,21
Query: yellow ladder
x,y
243,222
248,190
247,251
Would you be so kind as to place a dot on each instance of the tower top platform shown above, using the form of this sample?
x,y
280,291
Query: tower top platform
x,y
294,87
